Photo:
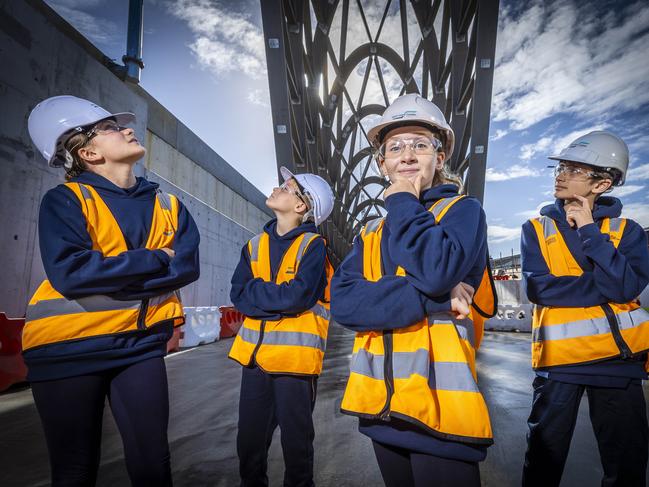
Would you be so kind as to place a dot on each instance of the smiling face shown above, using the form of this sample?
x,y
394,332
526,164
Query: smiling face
x,y
111,143
578,179
418,157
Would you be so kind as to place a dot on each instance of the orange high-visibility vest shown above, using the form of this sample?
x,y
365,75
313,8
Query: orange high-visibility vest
x,y
291,345
424,373
576,335
52,318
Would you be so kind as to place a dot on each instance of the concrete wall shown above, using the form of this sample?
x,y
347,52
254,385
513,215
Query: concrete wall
x,y
42,56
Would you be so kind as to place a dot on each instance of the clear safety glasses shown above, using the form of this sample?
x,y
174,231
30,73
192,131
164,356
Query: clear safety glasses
x,y
422,146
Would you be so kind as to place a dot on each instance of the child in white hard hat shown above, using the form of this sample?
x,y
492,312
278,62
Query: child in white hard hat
x,y
584,266
115,250
281,285
407,290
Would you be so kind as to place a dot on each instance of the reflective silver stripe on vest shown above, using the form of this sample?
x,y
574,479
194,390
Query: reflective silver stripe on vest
x,y
373,225
367,364
464,327
164,199
615,224
254,244
85,192
549,228
292,338
61,306
446,202
157,300
584,328
321,311
302,248
447,376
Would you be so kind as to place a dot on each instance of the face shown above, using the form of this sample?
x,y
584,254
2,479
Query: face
x,y
111,142
284,198
419,155
577,179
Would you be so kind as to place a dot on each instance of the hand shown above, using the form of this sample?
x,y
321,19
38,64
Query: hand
x,y
578,212
169,252
404,185
461,298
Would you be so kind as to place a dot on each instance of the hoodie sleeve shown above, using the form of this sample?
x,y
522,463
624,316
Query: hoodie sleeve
x,y
71,265
620,274
389,303
546,289
436,257
183,268
259,299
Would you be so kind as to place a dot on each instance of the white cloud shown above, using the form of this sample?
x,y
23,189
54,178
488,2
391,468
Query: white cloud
x,y
527,214
530,150
259,97
638,212
512,172
499,234
626,190
99,31
557,57
638,173
224,42
499,134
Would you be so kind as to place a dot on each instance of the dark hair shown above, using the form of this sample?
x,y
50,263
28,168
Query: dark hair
x,y
72,146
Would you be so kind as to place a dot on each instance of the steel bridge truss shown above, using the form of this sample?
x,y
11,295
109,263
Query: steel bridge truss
x,y
333,67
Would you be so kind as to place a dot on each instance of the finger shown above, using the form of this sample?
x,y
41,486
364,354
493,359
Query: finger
x,y
469,288
584,201
417,182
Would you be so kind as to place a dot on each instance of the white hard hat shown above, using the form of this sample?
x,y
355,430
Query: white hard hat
x,y
317,190
600,149
54,120
412,109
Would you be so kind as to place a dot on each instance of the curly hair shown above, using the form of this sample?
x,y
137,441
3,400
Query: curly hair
x,y
72,145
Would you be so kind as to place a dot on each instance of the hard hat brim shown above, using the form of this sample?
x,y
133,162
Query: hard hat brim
x,y
122,118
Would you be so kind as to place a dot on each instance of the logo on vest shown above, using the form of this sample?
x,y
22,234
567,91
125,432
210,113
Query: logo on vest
x,y
290,270
168,233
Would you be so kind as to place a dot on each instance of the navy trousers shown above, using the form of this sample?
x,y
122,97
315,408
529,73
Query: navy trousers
x,y
405,468
266,401
72,409
619,420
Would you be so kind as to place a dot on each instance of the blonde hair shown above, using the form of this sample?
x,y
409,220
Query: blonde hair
x,y
444,176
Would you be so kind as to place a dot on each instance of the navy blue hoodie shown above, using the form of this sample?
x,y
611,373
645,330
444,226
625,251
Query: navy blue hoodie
x,y
438,257
610,275
263,300
75,270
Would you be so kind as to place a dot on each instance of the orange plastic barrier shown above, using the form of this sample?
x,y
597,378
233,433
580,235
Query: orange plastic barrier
x,y
12,366
231,321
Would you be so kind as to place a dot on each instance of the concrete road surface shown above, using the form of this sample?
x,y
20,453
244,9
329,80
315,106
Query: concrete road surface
x,y
204,388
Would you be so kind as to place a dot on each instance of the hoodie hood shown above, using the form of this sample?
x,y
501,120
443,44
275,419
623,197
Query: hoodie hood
x,y
431,195
141,189
270,229
605,207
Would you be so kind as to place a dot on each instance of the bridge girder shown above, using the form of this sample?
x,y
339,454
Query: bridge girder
x,y
441,49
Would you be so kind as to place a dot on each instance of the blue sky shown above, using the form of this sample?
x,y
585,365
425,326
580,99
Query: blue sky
x,y
563,68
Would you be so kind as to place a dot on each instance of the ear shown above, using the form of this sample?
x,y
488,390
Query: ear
x,y
300,207
441,158
601,186
89,154
381,162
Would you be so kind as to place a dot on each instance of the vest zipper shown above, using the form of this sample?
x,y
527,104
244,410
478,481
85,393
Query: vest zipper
x,y
253,358
615,331
141,317
388,375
